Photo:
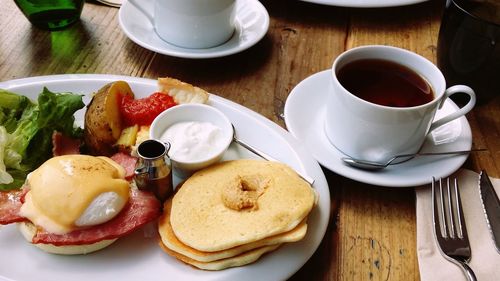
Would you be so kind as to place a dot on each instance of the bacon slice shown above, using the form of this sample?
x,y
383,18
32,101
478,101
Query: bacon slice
x,y
10,204
127,161
142,208
64,145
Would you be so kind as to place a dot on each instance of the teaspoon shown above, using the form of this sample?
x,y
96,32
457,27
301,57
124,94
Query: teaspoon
x,y
266,156
373,165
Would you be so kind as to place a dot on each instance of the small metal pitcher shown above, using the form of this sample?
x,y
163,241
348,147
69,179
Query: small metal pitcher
x,y
153,171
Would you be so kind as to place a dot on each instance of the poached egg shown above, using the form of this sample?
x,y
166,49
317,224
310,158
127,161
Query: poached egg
x,y
75,191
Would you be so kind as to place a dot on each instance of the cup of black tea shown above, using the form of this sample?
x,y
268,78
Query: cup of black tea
x,y
469,46
383,101
51,14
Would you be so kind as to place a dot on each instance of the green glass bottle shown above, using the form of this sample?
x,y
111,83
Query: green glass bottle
x,y
51,14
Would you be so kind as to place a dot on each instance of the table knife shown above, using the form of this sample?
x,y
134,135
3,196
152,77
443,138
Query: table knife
x,y
491,207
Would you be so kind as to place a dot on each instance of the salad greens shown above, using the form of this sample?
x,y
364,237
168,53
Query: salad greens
x,y
26,130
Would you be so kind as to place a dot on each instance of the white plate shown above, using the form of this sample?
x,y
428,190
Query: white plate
x,y
140,258
365,3
304,115
252,23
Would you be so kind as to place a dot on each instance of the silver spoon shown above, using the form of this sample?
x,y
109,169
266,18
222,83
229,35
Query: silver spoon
x,y
372,165
266,156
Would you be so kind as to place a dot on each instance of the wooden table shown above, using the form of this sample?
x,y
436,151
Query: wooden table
x,y
372,232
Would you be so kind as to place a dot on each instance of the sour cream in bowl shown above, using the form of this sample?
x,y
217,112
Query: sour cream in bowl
x,y
198,134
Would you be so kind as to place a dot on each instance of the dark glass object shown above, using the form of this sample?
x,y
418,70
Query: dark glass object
x,y
469,49
51,14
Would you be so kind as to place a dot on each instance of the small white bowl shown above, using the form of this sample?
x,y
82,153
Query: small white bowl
x,y
199,113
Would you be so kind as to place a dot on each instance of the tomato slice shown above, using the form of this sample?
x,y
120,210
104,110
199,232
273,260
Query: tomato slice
x,y
144,111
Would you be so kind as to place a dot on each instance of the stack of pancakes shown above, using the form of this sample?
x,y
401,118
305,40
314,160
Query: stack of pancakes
x,y
233,212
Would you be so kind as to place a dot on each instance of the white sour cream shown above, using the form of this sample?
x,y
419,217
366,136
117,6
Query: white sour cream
x,y
193,141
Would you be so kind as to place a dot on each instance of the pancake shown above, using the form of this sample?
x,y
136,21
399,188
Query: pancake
x,y
239,260
239,202
171,242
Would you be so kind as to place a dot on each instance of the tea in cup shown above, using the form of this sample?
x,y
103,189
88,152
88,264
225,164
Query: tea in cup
x,y
195,24
383,100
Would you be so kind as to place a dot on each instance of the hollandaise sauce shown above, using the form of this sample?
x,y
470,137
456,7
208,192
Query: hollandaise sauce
x,y
66,187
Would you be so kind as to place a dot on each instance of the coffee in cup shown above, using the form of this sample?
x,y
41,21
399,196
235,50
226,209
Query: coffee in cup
x,y
383,100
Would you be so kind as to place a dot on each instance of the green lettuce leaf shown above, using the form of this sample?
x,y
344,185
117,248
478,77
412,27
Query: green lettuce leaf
x,y
5,177
30,127
11,109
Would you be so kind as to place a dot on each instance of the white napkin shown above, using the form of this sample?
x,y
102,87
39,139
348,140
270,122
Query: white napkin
x,y
485,260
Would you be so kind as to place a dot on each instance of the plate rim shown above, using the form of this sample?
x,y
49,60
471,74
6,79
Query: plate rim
x,y
365,3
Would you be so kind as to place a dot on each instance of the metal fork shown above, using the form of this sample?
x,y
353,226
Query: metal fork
x,y
449,225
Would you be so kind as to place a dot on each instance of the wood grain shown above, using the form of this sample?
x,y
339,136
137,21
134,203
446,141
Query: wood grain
x,y
372,231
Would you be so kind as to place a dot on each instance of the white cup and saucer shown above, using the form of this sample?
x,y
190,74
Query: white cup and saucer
x,y
194,29
333,123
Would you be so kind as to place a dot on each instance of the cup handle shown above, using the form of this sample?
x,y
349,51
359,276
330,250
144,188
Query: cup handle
x,y
462,111
142,10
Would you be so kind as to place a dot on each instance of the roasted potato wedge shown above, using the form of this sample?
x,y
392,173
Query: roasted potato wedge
x,y
103,122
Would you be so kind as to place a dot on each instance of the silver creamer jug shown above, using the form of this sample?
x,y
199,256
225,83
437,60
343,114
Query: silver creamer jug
x,y
153,169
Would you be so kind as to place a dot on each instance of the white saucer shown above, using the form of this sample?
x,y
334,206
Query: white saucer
x,y
252,23
304,115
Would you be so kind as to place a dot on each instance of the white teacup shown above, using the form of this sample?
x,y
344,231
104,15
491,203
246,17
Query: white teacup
x,y
369,131
195,24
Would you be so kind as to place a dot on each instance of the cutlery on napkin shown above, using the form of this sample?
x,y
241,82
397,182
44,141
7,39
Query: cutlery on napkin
x,y
485,259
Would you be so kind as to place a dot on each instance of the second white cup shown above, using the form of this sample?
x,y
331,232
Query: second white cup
x,y
194,24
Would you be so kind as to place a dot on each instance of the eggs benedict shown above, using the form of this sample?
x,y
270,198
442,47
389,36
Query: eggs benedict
x,y
77,204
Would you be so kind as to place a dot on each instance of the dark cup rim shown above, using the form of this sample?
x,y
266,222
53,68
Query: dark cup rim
x,y
457,3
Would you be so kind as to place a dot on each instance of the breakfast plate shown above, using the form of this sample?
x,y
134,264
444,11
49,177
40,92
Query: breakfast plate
x,y
251,20
138,256
365,3
304,118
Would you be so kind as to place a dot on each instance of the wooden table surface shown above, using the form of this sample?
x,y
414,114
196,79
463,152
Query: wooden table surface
x,y
372,232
